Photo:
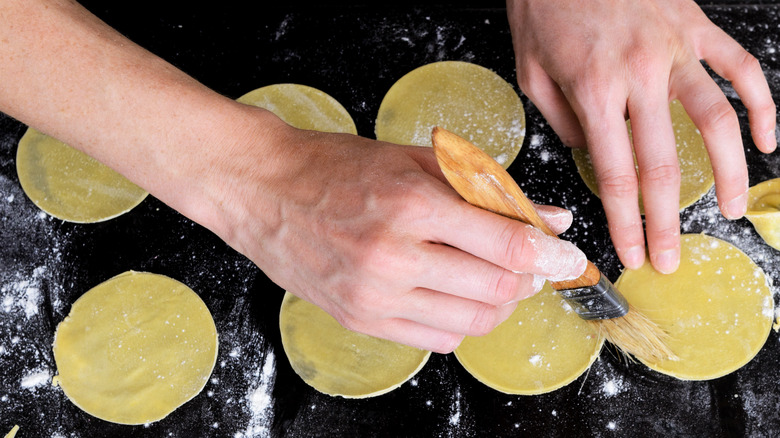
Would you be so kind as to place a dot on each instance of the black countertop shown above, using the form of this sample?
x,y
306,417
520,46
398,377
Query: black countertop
x,y
354,53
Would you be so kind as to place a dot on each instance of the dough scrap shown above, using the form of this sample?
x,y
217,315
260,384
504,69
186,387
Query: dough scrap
x,y
340,362
13,432
135,347
696,176
464,98
69,184
543,346
717,307
303,107
764,211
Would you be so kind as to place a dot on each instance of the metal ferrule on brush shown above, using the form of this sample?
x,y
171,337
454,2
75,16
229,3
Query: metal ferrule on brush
x,y
600,301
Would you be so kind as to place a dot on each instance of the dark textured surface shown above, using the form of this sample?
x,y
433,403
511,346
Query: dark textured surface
x,y
355,54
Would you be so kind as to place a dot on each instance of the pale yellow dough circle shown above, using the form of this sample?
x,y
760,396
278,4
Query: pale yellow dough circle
x,y
337,361
543,346
303,107
464,98
135,347
69,184
764,211
717,307
696,176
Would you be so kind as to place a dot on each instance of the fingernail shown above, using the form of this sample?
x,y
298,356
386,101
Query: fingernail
x,y
666,262
572,261
736,208
634,257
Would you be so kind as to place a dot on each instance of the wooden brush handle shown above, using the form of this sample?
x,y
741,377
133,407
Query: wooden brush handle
x,y
482,182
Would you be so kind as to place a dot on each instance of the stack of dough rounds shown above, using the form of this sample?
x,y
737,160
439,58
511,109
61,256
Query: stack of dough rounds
x,y
543,346
717,307
764,211
135,348
695,168
464,98
303,107
69,184
337,361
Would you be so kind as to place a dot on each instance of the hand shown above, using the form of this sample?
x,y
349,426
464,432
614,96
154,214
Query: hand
x,y
588,67
371,233
368,231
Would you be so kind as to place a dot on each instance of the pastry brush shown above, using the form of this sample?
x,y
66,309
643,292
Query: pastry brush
x,y
482,182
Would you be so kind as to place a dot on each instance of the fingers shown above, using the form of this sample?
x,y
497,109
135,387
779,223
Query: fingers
x,y
716,119
613,164
659,176
509,243
467,276
732,62
414,334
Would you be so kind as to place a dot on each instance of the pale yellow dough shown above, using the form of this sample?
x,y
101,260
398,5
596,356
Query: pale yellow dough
x,y
717,307
695,168
543,346
464,98
12,433
135,348
340,362
764,211
69,184
303,107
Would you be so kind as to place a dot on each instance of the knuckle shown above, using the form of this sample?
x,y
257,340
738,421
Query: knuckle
x,y
748,65
664,234
358,306
630,232
379,255
514,245
666,174
643,63
483,321
719,116
503,287
618,184
350,323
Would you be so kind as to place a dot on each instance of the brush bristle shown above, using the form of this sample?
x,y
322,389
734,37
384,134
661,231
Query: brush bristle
x,y
635,334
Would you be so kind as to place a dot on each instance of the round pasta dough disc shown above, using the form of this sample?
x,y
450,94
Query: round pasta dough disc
x,y
764,211
543,346
135,347
717,307
464,98
303,107
69,184
337,361
696,176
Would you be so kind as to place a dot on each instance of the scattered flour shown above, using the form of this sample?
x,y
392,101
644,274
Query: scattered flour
x,y
35,379
260,401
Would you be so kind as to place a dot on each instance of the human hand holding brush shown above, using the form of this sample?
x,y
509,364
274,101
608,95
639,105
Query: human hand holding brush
x,y
482,182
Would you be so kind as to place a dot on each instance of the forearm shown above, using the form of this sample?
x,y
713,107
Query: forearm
x,y
68,74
